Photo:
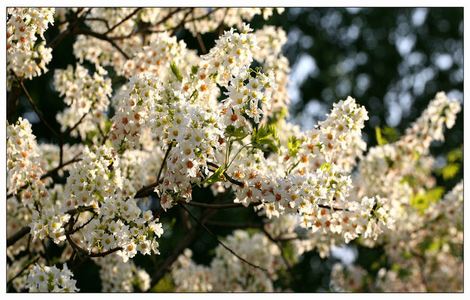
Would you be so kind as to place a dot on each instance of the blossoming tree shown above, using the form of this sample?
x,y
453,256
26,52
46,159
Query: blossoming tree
x,y
160,126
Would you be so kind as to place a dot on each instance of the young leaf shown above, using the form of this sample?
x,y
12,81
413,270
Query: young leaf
x,y
217,176
176,71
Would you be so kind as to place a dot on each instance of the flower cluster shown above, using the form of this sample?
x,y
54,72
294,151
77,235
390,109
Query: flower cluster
x,y
87,97
133,105
26,56
425,245
270,41
347,278
18,216
49,220
315,183
134,175
232,17
227,272
196,135
245,102
24,163
50,279
118,276
95,185
231,55
93,178
155,58
191,277
405,165
50,155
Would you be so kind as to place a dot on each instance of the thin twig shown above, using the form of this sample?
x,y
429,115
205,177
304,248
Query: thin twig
x,y
106,23
279,245
84,224
79,249
70,129
189,238
18,235
103,37
233,225
25,230
123,20
147,190
48,173
213,205
36,109
222,243
182,22
33,261
198,36
167,153
168,16
70,28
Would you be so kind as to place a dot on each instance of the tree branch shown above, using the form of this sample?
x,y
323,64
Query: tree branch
x,y
183,244
168,16
18,235
147,190
25,230
223,244
123,20
233,225
36,109
212,205
49,173
279,245
79,249
33,261
103,37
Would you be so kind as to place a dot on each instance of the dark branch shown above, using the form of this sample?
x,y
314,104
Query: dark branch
x,y
183,244
279,245
33,261
213,205
49,173
36,109
103,37
79,249
123,20
147,190
233,225
25,230
17,236
222,243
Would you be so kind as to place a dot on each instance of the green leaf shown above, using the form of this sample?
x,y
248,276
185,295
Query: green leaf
x,y
450,171
435,245
238,133
390,134
378,136
455,155
176,71
422,201
278,115
289,253
410,180
164,285
386,135
194,69
265,138
325,167
217,176
293,145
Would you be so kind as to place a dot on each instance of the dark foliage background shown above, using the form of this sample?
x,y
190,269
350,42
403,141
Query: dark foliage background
x,y
392,60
